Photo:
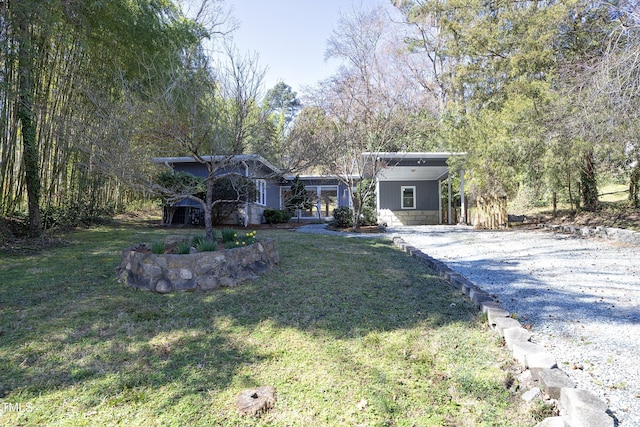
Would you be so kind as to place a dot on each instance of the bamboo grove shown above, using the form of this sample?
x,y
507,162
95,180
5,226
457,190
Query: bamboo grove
x,y
62,64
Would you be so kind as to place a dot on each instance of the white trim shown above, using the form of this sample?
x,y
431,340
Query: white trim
x,y
377,197
261,192
463,203
413,189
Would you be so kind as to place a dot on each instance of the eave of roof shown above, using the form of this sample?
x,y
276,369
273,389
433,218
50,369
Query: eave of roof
x,y
412,155
236,158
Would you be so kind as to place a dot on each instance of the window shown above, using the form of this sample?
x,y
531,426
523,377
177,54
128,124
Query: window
x,y
322,197
261,192
408,197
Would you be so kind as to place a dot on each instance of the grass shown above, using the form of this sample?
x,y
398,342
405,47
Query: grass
x,y
205,246
350,332
158,247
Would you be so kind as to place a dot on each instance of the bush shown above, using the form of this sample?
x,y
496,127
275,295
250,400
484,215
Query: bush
x,y
74,214
274,216
368,216
343,217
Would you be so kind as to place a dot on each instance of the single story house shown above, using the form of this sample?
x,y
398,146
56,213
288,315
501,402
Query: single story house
x,y
408,188
266,176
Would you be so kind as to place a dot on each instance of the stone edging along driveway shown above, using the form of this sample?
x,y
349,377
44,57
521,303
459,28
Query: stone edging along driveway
x,y
554,279
580,405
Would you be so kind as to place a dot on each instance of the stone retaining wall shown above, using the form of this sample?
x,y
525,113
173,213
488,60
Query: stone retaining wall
x,y
164,273
607,233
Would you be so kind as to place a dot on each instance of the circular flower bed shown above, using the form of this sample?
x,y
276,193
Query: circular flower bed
x,y
191,270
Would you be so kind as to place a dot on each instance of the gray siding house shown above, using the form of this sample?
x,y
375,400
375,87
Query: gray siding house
x,y
408,188
267,179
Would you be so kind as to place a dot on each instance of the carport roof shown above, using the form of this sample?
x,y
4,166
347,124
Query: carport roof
x,y
401,166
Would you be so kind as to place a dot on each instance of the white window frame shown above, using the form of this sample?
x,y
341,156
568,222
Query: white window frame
x,y
261,192
402,190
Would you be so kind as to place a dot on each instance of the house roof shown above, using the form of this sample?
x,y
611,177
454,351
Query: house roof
x,y
400,166
238,158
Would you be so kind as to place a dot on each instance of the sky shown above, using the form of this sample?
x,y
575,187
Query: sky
x,y
290,36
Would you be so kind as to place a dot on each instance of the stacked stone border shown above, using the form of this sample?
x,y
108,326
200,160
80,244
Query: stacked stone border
x,y
578,407
606,233
201,271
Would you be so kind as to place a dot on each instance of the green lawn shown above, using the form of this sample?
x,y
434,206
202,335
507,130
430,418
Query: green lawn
x,y
350,332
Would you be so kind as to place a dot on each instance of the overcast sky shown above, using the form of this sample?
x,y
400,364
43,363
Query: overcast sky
x,y
290,35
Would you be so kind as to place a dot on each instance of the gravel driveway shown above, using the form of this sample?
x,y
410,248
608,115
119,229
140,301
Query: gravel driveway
x,y
581,297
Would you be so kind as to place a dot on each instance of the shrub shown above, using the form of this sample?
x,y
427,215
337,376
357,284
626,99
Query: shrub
x,y
368,216
343,217
228,235
76,213
197,240
274,216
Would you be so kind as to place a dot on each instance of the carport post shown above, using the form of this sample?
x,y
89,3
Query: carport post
x,y
463,207
449,216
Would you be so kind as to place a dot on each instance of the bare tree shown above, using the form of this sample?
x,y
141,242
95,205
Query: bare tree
x,y
365,102
208,115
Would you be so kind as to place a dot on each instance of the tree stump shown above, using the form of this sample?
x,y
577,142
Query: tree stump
x,y
255,401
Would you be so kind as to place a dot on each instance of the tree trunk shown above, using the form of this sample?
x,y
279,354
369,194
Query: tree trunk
x,y
588,183
570,194
28,127
634,185
208,208
357,210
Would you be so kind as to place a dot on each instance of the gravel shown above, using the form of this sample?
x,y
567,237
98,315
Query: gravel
x,y
581,297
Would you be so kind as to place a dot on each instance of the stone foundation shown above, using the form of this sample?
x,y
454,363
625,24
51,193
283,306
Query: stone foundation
x,y
408,217
164,273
